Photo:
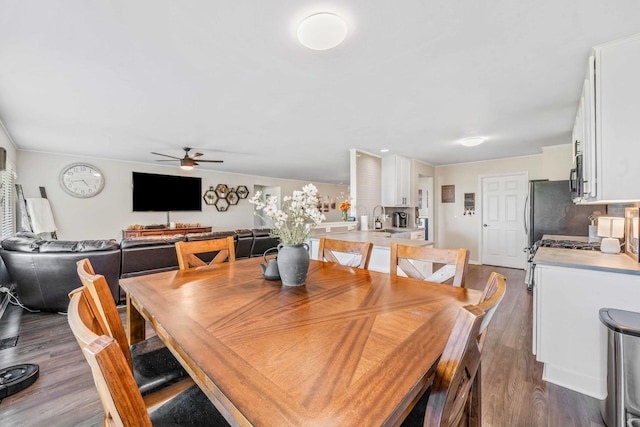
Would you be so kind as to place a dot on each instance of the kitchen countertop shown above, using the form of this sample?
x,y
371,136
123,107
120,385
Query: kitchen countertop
x,y
572,238
378,238
590,260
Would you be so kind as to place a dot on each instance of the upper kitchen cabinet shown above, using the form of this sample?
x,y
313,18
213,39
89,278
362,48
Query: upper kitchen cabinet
x,y
396,181
606,135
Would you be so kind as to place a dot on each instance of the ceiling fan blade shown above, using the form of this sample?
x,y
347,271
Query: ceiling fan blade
x,y
166,160
165,155
210,161
197,155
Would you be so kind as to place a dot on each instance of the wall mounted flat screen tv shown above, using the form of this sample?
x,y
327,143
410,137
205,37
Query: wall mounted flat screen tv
x,y
164,193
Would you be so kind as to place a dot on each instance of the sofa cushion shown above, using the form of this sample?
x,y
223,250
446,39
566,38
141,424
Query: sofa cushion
x,y
77,246
262,241
21,243
44,280
29,242
136,242
208,235
243,242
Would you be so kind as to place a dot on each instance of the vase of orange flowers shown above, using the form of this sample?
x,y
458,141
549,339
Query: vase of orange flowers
x,y
344,207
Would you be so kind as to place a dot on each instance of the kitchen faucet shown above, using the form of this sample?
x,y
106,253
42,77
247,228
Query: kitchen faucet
x,y
377,220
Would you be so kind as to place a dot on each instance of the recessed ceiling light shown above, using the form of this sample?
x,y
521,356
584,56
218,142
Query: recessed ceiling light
x,y
322,31
384,150
472,141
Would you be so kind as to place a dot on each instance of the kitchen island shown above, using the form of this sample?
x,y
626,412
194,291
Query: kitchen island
x,y
380,256
570,287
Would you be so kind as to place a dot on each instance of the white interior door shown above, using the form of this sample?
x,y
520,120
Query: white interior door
x,y
503,237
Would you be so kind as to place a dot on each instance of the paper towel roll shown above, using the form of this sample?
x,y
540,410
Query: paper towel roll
x,y
364,222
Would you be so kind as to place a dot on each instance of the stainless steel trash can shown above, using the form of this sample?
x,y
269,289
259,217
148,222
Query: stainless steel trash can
x,y
621,408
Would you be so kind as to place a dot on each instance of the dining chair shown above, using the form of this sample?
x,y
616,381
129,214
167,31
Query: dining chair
x,y
454,398
151,363
493,291
360,252
188,251
492,294
445,264
122,402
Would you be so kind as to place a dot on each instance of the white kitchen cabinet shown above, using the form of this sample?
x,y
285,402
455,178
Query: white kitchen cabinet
x,y
417,235
396,181
583,139
608,125
568,336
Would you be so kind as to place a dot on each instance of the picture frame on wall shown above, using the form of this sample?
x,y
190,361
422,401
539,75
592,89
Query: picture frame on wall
x,y
448,194
632,232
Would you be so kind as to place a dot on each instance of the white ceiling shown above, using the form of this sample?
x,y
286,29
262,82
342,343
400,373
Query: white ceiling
x,y
121,78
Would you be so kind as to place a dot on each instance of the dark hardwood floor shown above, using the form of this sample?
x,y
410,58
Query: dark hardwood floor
x,y
512,389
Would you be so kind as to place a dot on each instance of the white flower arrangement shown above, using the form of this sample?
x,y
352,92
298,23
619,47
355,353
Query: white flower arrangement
x,y
293,223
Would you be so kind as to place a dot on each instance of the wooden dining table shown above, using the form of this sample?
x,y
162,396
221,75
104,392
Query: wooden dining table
x,y
351,347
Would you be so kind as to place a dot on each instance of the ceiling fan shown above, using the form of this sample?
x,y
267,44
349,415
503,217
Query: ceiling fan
x,y
187,162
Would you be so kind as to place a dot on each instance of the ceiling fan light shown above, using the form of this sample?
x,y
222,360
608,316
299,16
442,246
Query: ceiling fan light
x,y
187,164
322,31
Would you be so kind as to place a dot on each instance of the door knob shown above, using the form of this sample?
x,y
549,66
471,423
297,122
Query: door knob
x,y
485,225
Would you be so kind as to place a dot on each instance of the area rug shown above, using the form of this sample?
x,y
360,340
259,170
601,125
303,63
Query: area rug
x,y
8,342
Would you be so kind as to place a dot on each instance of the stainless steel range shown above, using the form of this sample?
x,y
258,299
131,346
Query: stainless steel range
x,y
553,243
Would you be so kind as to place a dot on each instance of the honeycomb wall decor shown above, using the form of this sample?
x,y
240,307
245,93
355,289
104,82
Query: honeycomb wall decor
x,y
210,196
222,196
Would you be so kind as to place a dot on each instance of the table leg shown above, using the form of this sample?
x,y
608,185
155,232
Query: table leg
x,y
135,323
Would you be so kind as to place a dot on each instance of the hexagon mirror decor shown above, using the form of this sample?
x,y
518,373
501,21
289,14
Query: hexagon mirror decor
x,y
222,190
222,205
232,197
242,191
210,196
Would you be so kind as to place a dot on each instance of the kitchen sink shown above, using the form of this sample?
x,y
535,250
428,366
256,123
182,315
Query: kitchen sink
x,y
390,230
394,232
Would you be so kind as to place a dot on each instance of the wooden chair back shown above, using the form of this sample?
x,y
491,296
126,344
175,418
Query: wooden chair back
x,y
447,265
493,293
449,400
102,304
456,371
360,251
121,400
187,252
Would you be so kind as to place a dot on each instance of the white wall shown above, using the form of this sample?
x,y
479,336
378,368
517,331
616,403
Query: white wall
x,y
455,230
105,215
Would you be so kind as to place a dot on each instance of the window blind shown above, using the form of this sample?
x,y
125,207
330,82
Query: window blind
x,y
7,200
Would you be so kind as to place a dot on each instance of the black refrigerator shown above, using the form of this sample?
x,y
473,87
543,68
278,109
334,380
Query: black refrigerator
x,y
551,211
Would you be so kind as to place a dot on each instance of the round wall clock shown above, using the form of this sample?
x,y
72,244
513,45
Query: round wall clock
x,y
81,180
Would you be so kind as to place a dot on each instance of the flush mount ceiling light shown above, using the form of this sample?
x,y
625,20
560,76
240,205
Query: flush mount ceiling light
x,y
322,31
472,141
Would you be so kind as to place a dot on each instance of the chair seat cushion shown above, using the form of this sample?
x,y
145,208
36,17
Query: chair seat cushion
x,y
154,366
190,408
416,416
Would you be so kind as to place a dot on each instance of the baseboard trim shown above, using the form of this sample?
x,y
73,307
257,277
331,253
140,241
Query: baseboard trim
x,y
589,385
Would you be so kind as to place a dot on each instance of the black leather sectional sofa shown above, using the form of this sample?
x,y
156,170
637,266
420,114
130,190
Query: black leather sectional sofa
x,y
44,271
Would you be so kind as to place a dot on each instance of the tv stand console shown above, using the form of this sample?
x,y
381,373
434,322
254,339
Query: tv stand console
x,y
164,231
